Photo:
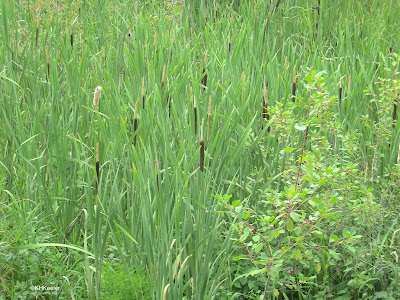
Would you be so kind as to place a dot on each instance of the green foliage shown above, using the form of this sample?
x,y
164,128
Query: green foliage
x,y
116,283
315,235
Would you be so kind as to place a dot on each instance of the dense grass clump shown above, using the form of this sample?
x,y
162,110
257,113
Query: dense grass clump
x,y
199,149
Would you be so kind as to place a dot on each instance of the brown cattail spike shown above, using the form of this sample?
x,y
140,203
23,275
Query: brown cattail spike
x,y
97,168
195,115
71,40
229,43
394,115
163,77
204,79
143,92
135,122
201,155
169,105
155,167
340,91
37,35
265,106
294,85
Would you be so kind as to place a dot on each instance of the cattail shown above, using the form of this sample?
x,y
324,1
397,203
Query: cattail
x,y
195,115
294,84
97,168
143,91
265,106
340,91
318,9
169,100
37,35
390,49
163,77
394,115
209,118
229,42
96,97
201,155
71,40
48,69
172,43
204,79
398,155
135,122
155,168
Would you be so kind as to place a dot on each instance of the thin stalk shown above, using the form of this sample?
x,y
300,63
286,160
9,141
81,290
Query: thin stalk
x,y
135,123
294,84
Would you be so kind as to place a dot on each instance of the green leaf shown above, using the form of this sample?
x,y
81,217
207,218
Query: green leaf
x,y
289,225
238,257
275,292
333,200
381,294
333,238
244,236
246,215
254,272
334,254
256,238
295,216
299,254
318,233
317,268
235,203
309,170
346,234
300,127
258,247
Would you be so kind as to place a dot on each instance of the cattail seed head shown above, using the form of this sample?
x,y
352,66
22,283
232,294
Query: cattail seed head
x,y
394,114
135,122
294,85
398,155
163,77
143,91
195,115
265,106
96,97
97,168
201,155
